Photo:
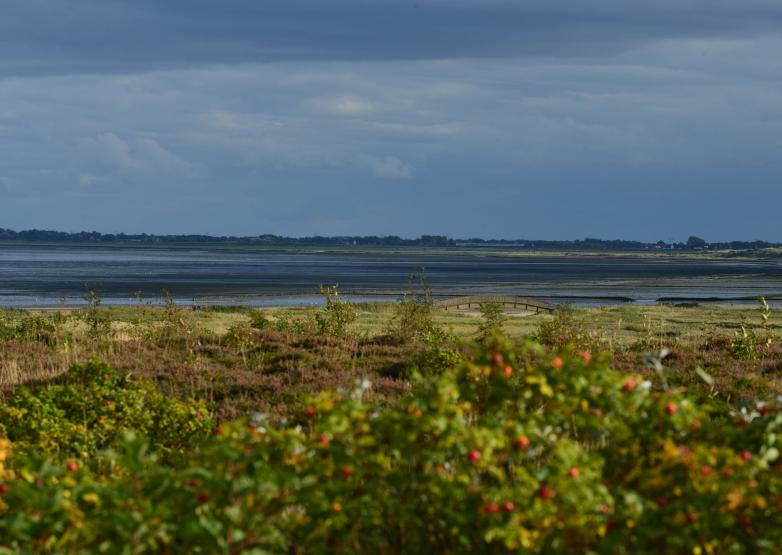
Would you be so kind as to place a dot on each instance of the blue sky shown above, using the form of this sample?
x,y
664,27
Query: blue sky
x,y
541,119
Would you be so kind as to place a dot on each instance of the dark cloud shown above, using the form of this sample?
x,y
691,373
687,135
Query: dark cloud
x,y
54,36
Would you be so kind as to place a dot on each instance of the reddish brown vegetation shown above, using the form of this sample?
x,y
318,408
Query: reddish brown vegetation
x,y
267,373
735,380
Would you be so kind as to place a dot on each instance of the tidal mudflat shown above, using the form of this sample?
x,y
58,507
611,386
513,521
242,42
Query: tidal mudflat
x,y
45,275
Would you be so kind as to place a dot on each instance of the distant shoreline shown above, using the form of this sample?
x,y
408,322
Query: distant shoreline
x,y
693,244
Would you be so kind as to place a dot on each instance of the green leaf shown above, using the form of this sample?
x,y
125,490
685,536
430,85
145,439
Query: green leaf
x,y
702,374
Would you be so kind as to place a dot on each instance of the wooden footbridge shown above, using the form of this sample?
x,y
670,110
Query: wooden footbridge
x,y
445,303
475,301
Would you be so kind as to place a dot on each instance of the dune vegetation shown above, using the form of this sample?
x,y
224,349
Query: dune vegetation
x,y
390,428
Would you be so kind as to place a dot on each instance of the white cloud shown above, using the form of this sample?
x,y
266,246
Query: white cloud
x,y
88,179
390,167
343,105
153,156
236,121
108,155
108,148
435,129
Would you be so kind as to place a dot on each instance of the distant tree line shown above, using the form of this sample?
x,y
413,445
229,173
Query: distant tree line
x,y
587,244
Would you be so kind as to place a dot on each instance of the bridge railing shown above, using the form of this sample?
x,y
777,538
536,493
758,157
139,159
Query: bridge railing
x,y
475,301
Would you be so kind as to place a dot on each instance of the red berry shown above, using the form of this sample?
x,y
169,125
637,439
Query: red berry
x,y
605,509
73,467
692,517
586,356
323,441
508,371
202,497
629,385
745,455
496,359
671,408
474,456
3,489
705,470
574,472
218,431
557,363
508,506
104,377
491,508
199,416
727,472
311,411
762,410
192,483
346,472
521,442
545,492
741,422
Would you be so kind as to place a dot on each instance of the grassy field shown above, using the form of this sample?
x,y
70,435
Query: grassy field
x,y
620,325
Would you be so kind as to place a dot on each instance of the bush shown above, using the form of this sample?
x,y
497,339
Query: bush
x,y
413,319
336,316
98,321
746,344
565,332
87,414
40,329
258,320
492,321
565,456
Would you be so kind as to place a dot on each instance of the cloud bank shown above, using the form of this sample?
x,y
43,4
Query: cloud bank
x,y
553,119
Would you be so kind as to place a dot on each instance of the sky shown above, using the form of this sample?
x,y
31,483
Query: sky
x,y
539,119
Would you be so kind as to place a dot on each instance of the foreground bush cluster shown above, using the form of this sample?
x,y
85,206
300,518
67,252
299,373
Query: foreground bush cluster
x,y
500,454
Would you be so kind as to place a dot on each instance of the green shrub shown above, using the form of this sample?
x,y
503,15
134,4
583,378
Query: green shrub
x,y
566,332
97,320
413,319
258,320
87,414
288,322
336,316
744,345
497,455
436,360
34,328
747,345
492,320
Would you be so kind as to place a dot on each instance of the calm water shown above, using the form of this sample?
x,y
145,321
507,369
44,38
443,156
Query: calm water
x,y
41,275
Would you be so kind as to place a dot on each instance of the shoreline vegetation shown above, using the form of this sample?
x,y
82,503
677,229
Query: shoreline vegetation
x,y
516,246
391,428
